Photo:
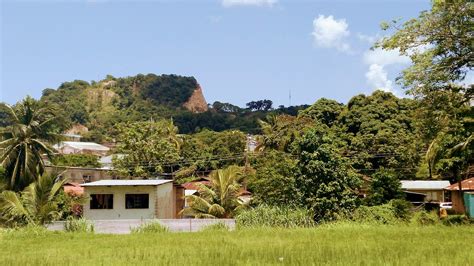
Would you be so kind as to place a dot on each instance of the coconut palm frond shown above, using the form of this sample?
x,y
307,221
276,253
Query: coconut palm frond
x,y
12,208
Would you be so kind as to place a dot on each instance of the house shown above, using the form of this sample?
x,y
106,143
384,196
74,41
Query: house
x,y
467,187
433,189
72,137
74,147
80,174
133,199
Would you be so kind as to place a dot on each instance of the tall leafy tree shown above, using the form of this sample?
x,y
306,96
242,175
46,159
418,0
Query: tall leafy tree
x,y
26,141
327,183
439,43
384,187
148,148
275,180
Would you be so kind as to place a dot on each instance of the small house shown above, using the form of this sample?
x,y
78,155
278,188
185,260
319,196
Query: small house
x,y
75,147
433,189
133,199
467,186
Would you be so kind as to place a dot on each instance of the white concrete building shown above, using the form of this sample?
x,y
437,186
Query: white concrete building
x,y
75,147
133,199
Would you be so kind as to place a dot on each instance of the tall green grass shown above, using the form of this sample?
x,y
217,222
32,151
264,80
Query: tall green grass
x,y
338,244
272,216
150,228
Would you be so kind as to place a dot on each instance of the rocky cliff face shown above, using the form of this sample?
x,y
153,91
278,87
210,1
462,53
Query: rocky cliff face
x,y
196,103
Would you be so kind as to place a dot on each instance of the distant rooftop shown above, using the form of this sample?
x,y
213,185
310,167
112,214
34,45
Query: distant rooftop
x,y
467,184
103,183
424,184
82,145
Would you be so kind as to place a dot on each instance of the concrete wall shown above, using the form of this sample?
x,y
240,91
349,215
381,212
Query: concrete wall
x,y
77,174
124,226
431,195
119,211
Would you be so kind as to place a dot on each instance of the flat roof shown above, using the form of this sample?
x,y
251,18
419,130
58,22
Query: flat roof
x,y
104,183
425,184
82,145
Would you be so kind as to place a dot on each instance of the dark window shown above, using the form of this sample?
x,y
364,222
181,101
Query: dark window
x,y
136,201
102,201
87,178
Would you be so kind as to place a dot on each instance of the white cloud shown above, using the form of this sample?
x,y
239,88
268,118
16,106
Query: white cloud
x,y
331,33
385,57
370,39
378,61
377,77
232,3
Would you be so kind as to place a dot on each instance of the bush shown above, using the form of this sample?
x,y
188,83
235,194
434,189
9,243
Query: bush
x,y
402,209
457,220
220,226
80,225
381,214
425,218
150,228
272,216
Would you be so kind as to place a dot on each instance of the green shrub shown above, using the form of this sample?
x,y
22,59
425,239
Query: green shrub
x,y
150,228
26,231
220,226
272,216
80,225
381,214
424,218
402,209
457,220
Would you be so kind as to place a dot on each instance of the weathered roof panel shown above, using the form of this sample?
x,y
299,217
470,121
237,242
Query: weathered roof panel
x,y
150,182
424,184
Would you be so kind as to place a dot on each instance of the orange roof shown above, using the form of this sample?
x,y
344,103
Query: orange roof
x,y
194,185
467,184
73,189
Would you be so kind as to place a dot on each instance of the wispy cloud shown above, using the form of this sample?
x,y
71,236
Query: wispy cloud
x,y
331,33
378,59
261,3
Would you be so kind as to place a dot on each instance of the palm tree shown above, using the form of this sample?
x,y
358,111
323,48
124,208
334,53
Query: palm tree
x,y
25,141
220,198
37,204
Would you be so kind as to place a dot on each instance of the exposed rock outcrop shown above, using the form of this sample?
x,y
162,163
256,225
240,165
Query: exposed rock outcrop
x,y
196,103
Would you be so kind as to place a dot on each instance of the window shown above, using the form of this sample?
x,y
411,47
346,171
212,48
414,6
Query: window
x,y
102,201
136,201
87,178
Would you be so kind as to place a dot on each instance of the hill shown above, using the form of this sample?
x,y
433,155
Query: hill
x,y
100,105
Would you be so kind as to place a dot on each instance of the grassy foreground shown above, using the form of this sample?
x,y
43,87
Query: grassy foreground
x,y
329,245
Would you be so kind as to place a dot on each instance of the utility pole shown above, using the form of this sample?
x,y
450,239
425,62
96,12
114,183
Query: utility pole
x,y
289,97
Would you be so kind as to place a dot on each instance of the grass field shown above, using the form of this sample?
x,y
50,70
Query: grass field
x,y
330,245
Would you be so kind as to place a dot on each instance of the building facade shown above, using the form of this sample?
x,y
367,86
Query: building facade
x,y
133,199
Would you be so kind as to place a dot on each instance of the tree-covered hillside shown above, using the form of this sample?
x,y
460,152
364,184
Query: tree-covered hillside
x,y
99,105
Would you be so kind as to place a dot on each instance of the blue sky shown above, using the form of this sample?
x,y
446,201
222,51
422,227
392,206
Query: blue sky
x,y
238,50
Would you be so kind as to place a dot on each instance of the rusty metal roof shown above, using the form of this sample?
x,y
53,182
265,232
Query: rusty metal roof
x,y
467,184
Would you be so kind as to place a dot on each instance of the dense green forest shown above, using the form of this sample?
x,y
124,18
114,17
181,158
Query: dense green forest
x,y
99,105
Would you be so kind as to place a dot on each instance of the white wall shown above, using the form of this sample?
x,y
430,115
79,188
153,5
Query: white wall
x,y
119,211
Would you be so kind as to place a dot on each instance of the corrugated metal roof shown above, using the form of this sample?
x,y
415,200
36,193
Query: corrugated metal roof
x,y
424,184
467,184
103,183
82,145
